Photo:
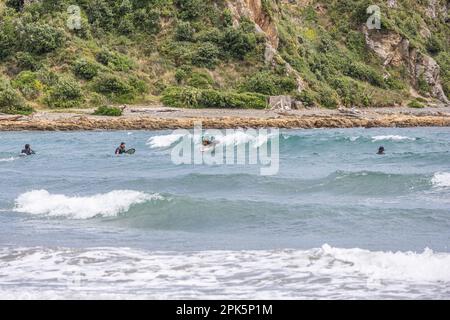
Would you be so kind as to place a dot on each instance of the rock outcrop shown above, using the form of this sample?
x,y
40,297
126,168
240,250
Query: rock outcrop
x,y
254,10
152,123
283,103
264,24
396,50
437,8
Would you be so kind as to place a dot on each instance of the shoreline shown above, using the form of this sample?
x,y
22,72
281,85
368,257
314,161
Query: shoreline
x,y
162,118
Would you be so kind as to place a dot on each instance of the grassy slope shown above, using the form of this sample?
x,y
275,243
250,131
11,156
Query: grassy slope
x,y
134,51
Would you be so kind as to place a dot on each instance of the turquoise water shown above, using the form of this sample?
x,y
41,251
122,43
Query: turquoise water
x,y
337,221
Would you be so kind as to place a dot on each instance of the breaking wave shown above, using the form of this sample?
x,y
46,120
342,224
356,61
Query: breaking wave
x,y
392,138
41,202
236,138
264,274
441,179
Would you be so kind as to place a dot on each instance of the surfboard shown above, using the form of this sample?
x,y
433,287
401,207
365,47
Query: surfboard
x,y
131,151
208,148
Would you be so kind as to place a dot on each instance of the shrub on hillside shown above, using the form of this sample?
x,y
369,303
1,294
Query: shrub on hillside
x,y
10,100
269,84
363,72
85,69
138,85
394,83
178,52
327,98
15,4
114,60
423,85
199,80
184,31
147,20
444,62
125,25
187,97
26,61
434,45
7,38
189,9
48,77
100,14
245,100
207,55
28,84
238,43
65,94
350,92
356,42
40,38
115,88
181,97
307,97
416,104
227,18
212,35
108,111
181,75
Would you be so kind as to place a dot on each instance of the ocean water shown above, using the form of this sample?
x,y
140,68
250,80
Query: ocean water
x,y
336,222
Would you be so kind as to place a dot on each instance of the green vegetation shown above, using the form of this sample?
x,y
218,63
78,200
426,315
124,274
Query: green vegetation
x,y
66,93
28,84
209,98
11,101
85,69
200,52
269,84
416,104
108,111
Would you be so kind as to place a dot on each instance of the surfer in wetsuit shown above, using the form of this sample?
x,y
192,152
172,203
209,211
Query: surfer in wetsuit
x,y
207,142
121,149
27,151
380,151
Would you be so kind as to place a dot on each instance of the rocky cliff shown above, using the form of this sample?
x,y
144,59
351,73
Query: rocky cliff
x,y
227,53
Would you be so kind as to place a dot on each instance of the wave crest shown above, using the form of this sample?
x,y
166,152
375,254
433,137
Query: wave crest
x,y
41,202
164,141
236,138
392,138
441,179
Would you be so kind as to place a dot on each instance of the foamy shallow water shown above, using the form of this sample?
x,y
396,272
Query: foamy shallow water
x,y
87,224
321,273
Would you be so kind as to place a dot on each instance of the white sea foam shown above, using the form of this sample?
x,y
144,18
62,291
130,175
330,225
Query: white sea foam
x,y
7,159
164,141
232,139
325,272
441,179
41,202
241,137
392,138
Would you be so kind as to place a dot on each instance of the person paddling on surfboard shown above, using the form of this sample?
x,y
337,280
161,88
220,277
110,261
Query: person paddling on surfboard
x,y
122,150
207,141
28,151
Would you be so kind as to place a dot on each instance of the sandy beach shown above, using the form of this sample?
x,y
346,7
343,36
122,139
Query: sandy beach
x,y
158,117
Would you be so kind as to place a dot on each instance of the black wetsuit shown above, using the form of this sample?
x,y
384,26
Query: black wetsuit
x,y
119,150
28,152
